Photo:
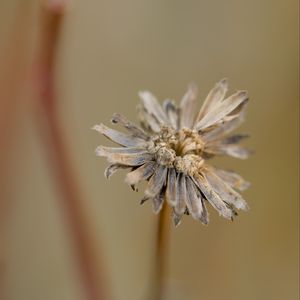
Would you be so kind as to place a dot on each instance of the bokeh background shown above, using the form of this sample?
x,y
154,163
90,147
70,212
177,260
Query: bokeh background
x,y
107,52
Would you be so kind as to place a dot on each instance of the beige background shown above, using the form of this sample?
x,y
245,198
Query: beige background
x,y
111,49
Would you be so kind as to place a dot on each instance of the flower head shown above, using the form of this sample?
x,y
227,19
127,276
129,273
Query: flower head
x,y
172,150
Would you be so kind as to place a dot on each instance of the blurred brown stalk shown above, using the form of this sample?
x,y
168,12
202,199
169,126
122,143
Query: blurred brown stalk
x,y
15,67
58,154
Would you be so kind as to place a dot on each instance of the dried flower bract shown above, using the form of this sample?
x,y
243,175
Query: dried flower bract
x,y
172,148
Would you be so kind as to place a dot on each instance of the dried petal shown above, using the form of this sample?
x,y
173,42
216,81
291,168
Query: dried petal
x,y
231,150
171,187
111,169
131,127
135,159
176,218
120,138
181,195
212,197
234,139
106,151
158,202
222,110
193,201
141,173
233,179
227,126
187,107
171,112
153,108
156,182
205,215
225,191
148,121
215,96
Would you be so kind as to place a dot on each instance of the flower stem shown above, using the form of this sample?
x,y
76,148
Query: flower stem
x,y
161,255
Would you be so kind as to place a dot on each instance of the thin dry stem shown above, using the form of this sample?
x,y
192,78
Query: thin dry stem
x,y
161,253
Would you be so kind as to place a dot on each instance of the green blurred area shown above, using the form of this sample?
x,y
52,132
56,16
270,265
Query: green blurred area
x,y
109,51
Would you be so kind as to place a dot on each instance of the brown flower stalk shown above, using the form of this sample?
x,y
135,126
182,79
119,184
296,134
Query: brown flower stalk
x,y
59,157
161,254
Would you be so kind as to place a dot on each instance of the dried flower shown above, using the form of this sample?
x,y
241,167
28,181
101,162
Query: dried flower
x,y
172,151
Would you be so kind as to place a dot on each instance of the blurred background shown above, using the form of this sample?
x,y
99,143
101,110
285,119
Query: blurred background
x,y
64,227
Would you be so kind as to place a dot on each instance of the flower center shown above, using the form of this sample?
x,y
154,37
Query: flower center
x,y
179,149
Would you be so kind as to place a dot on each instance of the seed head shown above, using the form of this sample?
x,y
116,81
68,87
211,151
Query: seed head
x,y
172,149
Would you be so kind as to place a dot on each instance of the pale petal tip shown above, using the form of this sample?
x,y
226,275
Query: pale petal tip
x,y
227,214
223,82
99,151
134,187
193,87
149,194
115,118
244,186
176,220
204,219
156,209
107,173
246,207
143,94
143,200
95,127
157,206
243,94
242,205
128,179
98,127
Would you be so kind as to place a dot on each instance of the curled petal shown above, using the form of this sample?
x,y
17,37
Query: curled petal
x,y
158,202
233,179
228,125
141,173
135,159
194,202
176,218
187,107
144,199
119,137
226,193
212,197
205,215
171,112
153,108
106,151
171,187
111,169
131,127
156,182
231,150
234,139
181,195
148,121
222,110
215,96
